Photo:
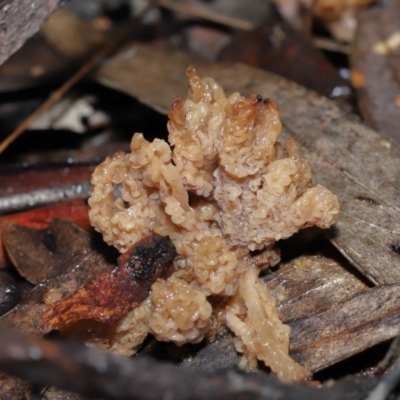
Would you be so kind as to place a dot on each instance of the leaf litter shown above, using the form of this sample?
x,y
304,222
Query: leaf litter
x,y
356,192
313,330
314,342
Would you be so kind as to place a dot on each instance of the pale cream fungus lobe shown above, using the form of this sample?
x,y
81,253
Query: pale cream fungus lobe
x,y
181,314
224,189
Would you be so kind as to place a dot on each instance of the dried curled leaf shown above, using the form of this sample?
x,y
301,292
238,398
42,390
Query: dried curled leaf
x,y
110,296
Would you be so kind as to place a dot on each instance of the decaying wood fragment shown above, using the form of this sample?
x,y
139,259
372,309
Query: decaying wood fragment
x,y
92,373
312,283
346,328
66,273
19,20
110,296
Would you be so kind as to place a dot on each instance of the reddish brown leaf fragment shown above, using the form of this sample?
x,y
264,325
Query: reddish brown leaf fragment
x,y
111,296
78,260
37,254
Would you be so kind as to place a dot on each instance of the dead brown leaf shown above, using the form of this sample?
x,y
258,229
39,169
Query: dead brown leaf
x,y
358,164
277,47
375,66
41,254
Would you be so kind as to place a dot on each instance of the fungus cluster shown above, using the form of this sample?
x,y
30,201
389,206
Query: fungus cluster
x,y
224,190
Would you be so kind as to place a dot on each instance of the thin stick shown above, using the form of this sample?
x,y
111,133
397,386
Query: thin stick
x,y
330,45
61,91
206,14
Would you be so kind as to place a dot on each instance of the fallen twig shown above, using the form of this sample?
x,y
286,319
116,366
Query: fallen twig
x,y
41,197
92,373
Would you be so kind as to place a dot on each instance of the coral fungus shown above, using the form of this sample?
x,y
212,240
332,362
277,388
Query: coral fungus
x,y
224,190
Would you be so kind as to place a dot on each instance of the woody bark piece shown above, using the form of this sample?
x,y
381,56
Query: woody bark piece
x,y
111,296
346,328
312,283
19,20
